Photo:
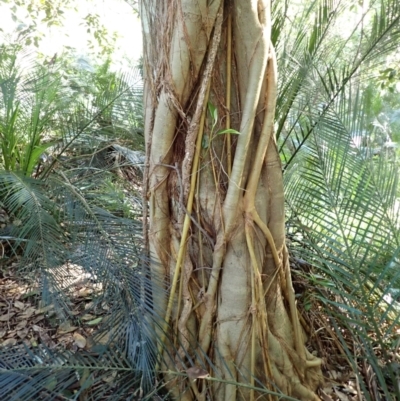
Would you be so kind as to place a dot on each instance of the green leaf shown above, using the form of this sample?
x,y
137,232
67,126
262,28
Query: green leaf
x,y
95,321
214,113
50,384
205,143
228,131
34,157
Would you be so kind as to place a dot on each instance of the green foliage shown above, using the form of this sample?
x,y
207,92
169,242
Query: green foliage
x,y
70,371
320,54
56,105
343,210
28,105
213,112
104,40
60,210
341,175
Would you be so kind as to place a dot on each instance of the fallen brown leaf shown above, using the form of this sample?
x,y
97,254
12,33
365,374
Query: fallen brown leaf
x,y
88,316
45,309
9,342
87,306
84,292
342,396
22,333
65,328
21,325
80,341
196,373
38,319
36,328
6,317
28,313
19,305
110,377
325,397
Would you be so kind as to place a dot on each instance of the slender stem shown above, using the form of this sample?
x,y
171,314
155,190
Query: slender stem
x,y
228,91
253,307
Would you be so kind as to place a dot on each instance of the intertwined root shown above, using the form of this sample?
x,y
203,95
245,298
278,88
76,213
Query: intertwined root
x,y
231,303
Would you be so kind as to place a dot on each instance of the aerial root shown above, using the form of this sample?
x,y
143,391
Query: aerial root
x,y
305,359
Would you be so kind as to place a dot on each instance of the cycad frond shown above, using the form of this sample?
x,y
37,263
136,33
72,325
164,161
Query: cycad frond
x,y
343,209
313,75
45,374
64,239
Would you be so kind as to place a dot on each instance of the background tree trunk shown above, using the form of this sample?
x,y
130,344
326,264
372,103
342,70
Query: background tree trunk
x,y
216,204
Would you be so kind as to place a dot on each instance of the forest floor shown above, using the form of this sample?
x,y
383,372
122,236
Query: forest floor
x,y
24,321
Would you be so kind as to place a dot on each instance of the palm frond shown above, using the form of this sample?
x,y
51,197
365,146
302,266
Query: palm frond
x,y
343,210
46,374
313,76
65,238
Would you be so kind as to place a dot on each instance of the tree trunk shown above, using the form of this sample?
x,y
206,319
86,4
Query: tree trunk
x,y
216,204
